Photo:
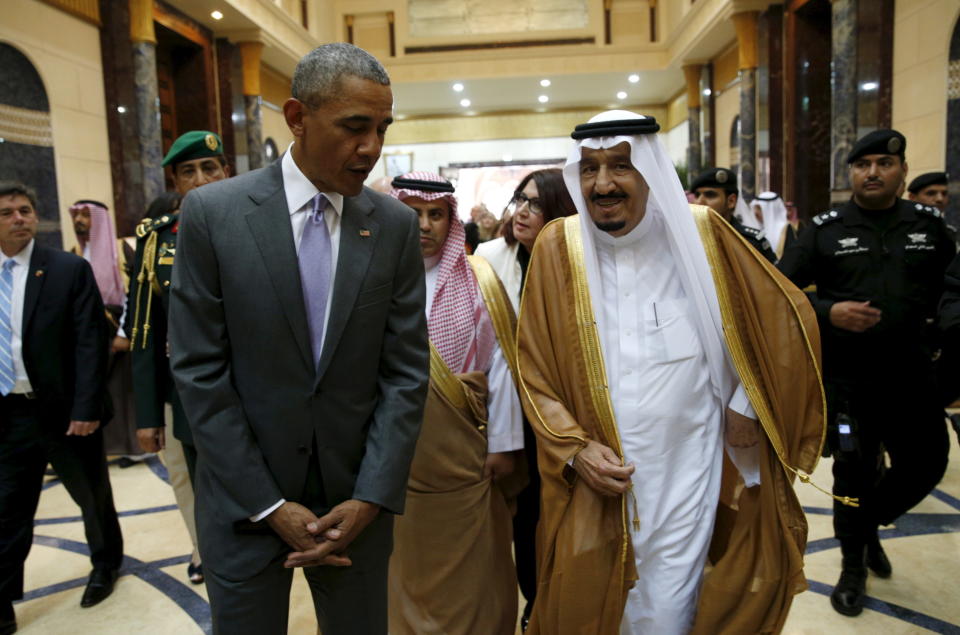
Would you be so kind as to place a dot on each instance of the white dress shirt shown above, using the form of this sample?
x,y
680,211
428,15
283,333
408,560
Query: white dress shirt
x,y
300,191
19,273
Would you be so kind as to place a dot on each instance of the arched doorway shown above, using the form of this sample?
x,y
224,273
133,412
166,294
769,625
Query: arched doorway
x,y
26,138
953,128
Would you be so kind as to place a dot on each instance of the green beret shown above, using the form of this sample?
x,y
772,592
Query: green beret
x,y
925,180
195,144
881,141
720,178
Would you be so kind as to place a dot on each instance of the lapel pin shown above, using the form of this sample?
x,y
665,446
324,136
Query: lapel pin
x,y
364,233
39,273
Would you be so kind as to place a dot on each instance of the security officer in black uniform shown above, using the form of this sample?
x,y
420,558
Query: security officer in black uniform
x,y
930,189
717,188
196,158
878,263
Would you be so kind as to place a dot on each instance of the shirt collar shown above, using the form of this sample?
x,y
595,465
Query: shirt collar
x,y
22,257
298,188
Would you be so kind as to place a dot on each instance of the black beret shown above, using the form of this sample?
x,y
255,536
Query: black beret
x,y
930,178
883,141
721,178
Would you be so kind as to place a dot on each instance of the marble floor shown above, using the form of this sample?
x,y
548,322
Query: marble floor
x,y
153,595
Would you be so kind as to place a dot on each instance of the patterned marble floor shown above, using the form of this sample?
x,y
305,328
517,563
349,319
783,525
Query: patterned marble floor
x,y
153,595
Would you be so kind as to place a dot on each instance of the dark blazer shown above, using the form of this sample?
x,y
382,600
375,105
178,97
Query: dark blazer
x,y
241,359
65,338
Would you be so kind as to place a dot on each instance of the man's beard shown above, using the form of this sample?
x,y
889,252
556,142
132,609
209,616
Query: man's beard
x,y
612,226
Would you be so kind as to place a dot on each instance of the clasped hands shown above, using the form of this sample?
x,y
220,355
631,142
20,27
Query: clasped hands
x,y
324,540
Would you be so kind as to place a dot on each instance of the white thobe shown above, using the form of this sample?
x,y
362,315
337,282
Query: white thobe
x,y
670,423
504,413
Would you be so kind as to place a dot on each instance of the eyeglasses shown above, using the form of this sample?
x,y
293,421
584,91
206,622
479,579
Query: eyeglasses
x,y
533,204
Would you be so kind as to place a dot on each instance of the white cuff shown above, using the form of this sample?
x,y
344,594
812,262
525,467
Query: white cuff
x,y
267,511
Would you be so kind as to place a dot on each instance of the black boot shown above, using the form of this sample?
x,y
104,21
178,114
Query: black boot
x,y
877,559
847,596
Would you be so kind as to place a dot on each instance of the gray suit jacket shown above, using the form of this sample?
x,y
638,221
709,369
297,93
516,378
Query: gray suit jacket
x,y
241,358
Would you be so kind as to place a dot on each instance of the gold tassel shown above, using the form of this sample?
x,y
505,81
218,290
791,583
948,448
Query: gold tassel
x,y
146,274
849,501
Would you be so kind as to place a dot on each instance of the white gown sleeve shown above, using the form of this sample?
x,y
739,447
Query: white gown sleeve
x,y
504,414
747,460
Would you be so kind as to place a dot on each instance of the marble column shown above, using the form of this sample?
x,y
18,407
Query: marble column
x,y
746,26
843,105
147,98
692,74
250,56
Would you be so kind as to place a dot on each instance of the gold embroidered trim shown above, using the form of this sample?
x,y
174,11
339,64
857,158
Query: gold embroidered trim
x,y
737,348
500,310
454,390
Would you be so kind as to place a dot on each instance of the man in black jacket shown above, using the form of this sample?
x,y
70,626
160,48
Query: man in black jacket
x,y
53,355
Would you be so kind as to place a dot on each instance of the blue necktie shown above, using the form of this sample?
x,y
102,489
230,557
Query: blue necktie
x,y
8,376
315,269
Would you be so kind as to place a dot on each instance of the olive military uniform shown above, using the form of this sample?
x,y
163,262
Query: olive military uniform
x,y
880,387
147,307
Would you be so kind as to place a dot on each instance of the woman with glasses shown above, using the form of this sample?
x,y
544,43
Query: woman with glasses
x,y
540,197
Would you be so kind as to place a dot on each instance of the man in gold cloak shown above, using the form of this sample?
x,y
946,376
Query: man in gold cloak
x,y
672,377
452,571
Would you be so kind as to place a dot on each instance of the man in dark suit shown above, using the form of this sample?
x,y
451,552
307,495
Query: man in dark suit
x,y
299,346
53,356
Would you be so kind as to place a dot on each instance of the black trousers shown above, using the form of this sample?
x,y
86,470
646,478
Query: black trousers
x,y
347,600
904,419
526,518
26,446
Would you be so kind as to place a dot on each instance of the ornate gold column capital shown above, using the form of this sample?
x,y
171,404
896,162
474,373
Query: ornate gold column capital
x,y
141,21
692,74
746,25
250,58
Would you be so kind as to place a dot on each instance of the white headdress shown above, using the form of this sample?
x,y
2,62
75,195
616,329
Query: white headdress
x,y
774,216
667,200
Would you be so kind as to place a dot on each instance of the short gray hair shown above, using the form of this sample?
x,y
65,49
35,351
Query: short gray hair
x,y
318,74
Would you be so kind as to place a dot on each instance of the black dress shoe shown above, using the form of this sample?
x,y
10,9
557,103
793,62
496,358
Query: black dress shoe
x,y
877,561
8,620
847,596
99,587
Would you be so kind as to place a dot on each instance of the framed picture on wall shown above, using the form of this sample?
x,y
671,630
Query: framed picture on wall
x,y
397,164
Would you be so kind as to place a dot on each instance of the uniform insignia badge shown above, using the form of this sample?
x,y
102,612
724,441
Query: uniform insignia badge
x,y
847,243
722,176
211,141
893,145
917,238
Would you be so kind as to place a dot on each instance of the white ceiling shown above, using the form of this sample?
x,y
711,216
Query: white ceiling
x,y
521,93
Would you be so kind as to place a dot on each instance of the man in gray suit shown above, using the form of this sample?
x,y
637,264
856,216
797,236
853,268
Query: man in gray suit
x,y
299,347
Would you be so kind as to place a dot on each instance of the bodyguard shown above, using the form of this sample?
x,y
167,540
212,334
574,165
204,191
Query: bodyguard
x,y
878,263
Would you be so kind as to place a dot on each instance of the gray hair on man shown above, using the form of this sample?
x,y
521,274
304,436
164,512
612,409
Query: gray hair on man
x,y
318,75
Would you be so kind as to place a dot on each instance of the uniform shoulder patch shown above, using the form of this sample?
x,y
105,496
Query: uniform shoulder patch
x,y
753,232
149,225
826,217
926,209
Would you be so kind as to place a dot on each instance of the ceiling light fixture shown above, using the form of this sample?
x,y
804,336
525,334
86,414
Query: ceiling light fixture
x,y
121,109
465,103
458,87
621,95
543,99
633,79
545,83
216,15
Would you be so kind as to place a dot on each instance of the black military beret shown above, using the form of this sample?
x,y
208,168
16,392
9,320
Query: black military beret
x,y
722,178
883,141
924,180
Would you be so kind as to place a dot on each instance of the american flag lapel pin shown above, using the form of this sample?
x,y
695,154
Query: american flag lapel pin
x,y
364,233
39,273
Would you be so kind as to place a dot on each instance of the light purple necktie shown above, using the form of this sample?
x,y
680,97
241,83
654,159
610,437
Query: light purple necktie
x,y
315,268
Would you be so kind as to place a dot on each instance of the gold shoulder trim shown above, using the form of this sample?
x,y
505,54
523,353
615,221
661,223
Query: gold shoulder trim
x,y
499,308
749,375
451,387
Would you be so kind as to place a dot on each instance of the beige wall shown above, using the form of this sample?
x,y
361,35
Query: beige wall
x,y
921,48
275,88
66,53
727,107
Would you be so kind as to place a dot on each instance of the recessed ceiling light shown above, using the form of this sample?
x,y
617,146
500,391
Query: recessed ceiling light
x,y
121,109
707,92
543,99
216,15
544,82
458,87
465,103
633,79
507,158
621,95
